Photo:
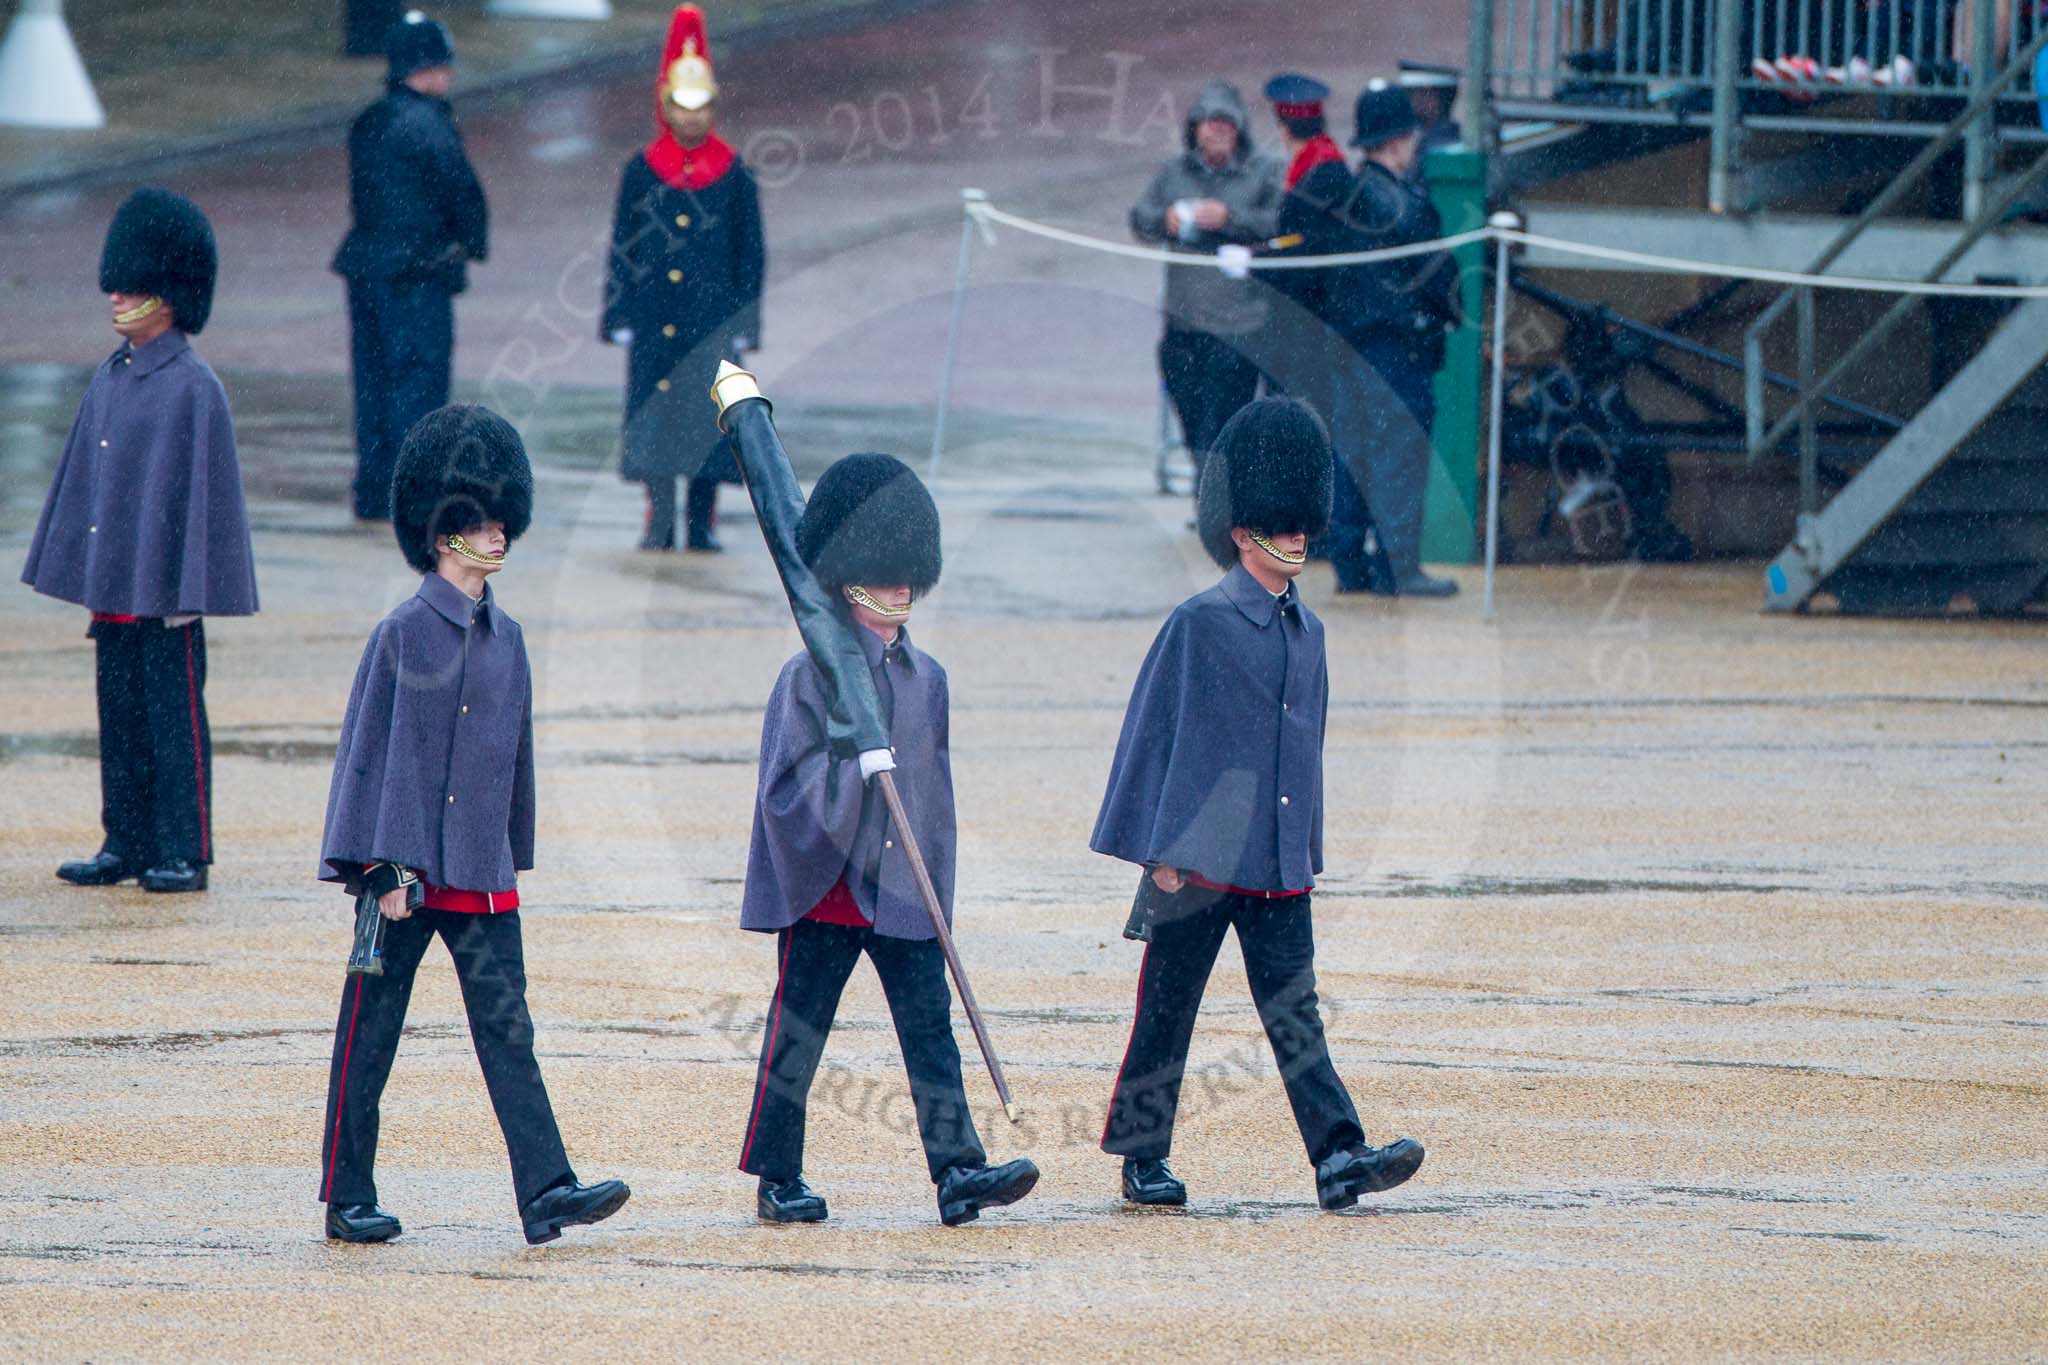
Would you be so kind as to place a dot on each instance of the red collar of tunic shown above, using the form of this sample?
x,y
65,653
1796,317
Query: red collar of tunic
x,y
1313,153
689,168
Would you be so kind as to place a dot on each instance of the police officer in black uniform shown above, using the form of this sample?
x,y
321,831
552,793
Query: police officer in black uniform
x,y
419,219
1387,321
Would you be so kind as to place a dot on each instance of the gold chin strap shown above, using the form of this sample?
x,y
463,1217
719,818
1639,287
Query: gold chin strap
x,y
139,311
1299,557
457,545
859,596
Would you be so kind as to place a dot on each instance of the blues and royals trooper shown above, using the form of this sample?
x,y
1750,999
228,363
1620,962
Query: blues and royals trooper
x,y
683,290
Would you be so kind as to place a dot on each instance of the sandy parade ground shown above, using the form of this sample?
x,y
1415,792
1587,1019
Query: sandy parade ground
x,y
1704,951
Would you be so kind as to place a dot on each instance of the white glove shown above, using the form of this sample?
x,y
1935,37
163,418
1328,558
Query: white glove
x,y
741,345
622,336
1235,261
874,761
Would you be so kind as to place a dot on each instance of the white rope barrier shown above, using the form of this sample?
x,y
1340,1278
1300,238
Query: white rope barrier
x,y
1501,229
987,214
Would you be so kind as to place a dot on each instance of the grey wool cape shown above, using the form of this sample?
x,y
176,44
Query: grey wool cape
x,y
814,819
434,770
145,515
1219,769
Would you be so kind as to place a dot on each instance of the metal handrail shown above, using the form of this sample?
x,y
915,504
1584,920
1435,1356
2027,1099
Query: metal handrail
x,y
1916,170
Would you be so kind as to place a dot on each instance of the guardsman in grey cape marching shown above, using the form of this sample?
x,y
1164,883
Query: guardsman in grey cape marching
x,y
683,290
825,872
1217,792
433,803
145,528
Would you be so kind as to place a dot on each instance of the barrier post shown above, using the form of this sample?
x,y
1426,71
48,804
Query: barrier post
x,y
968,199
1507,221
43,83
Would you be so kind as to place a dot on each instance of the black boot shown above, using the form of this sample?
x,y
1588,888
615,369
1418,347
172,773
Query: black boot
x,y
1420,584
552,1210
361,1223
700,517
1150,1182
789,1201
661,515
103,868
1345,1175
175,874
964,1191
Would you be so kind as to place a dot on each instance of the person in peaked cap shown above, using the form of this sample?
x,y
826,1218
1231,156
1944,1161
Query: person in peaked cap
x,y
1433,92
1385,323
432,810
1216,791
1297,102
145,528
826,873
419,218
683,291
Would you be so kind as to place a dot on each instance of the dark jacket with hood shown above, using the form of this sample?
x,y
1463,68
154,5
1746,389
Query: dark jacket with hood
x,y
1250,185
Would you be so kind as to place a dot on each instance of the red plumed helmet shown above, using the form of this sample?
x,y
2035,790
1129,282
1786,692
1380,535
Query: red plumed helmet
x,y
686,77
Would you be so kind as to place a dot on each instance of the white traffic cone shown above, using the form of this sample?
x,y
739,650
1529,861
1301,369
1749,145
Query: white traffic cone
x,y
42,79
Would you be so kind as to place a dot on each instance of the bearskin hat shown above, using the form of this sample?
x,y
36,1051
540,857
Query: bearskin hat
x,y
460,466
415,43
1270,472
160,243
871,521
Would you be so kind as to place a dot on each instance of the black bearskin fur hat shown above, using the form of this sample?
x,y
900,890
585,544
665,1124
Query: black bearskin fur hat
x,y
460,466
1270,472
872,522
160,243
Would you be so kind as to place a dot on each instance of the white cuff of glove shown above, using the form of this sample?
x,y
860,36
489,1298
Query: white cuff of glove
x,y
1234,260
622,336
874,761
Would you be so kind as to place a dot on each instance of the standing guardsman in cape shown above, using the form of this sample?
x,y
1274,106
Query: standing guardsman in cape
x,y
1217,792
684,291
432,811
826,872
145,528
420,218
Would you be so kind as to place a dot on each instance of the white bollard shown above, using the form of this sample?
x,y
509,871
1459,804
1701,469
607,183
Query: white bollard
x,y
42,78
549,9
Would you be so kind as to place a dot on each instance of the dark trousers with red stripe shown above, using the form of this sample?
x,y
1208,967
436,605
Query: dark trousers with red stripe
x,y
490,963
1279,948
816,960
156,753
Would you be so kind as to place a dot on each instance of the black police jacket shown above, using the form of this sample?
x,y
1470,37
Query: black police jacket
x,y
1403,304
419,211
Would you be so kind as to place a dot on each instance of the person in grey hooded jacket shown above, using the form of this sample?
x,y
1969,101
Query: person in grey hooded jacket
x,y
1220,189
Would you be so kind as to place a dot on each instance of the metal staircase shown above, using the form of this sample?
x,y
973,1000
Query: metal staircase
x,y
1955,503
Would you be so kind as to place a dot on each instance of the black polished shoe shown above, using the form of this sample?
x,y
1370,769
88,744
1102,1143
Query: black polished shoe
x,y
175,875
789,1201
552,1210
101,869
703,543
1365,1170
659,540
361,1223
1420,584
1150,1182
964,1191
